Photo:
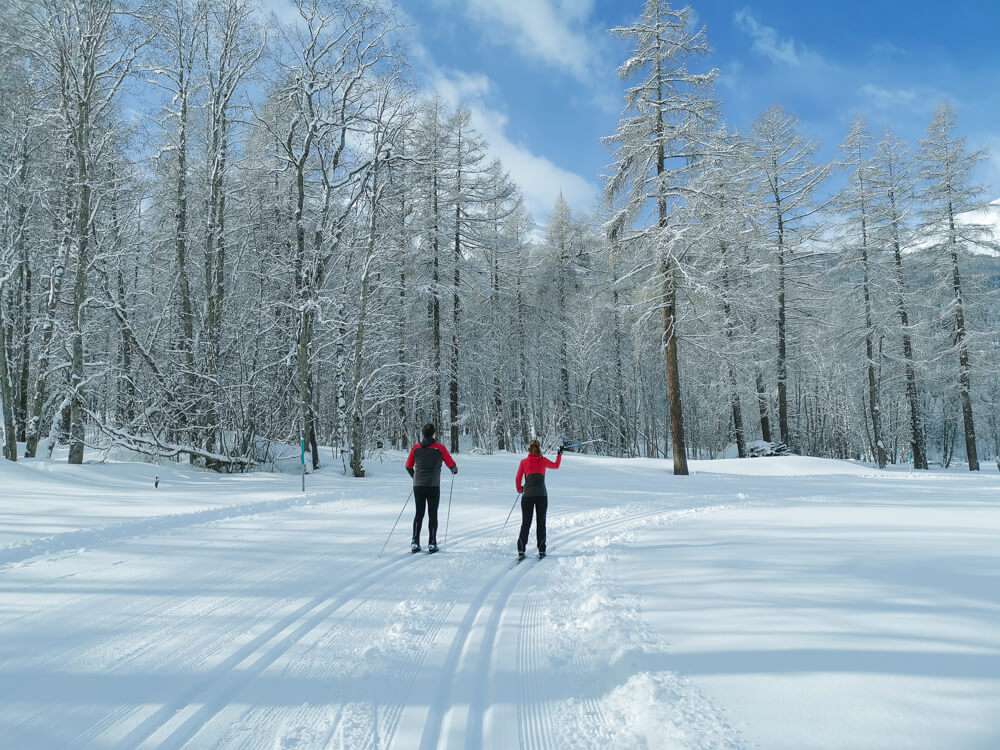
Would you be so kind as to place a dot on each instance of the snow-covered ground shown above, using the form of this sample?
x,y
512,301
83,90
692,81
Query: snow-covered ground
x,y
773,603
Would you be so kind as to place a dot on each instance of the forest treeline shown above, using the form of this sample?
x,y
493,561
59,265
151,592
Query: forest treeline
x,y
221,235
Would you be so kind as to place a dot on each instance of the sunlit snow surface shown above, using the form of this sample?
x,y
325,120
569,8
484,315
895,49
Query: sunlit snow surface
x,y
773,603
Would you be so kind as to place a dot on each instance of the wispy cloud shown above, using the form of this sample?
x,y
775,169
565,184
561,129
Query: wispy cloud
x,y
889,98
888,49
766,40
555,32
914,99
991,167
540,179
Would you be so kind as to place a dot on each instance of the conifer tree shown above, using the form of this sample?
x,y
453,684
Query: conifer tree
x,y
668,109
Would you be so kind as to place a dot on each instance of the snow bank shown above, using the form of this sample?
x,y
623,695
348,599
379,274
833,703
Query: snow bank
x,y
781,466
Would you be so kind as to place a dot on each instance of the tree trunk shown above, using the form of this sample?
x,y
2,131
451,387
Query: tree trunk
x,y
180,248
917,444
56,276
456,307
667,271
25,312
874,412
734,393
76,411
357,403
621,422
782,340
669,282
6,398
964,370
83,229
436,303
566,425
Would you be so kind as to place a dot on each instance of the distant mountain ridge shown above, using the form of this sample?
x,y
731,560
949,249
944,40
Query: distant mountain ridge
x,y
987,244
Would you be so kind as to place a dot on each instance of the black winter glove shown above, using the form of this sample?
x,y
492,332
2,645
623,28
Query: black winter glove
x,y
409,471
559,452
454,468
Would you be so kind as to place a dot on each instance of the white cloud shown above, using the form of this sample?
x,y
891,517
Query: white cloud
x,y
558,33
917,100
887,48
991,167
765,39
889,98
284,10
540,179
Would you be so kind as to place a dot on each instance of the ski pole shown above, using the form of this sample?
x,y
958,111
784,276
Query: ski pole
x,y
448,517
508,517
585,442
407,500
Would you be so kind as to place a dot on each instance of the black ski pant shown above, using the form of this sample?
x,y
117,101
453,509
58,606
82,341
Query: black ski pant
x,y
537,506
429,498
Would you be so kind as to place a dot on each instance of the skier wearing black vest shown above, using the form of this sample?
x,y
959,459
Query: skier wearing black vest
x,y
424,465
530,482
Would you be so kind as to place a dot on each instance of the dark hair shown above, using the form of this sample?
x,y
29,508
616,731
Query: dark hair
x,y
534,448
428,430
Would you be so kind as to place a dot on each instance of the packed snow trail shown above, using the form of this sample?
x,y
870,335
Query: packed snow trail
x,y
225,615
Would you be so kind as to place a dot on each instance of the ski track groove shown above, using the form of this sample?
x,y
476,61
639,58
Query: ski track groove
x,y
224,680
218,675
442,701
528,723
183,657
72,542
479,696
309,614
395,709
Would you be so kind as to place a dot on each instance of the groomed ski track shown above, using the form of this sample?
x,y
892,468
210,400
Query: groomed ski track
x,y
184,629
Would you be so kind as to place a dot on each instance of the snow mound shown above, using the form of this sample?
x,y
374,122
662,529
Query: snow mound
x,y
663,710
781,466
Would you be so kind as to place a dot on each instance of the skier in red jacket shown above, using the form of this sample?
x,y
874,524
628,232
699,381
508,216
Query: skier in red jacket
x,y
530,481
424,465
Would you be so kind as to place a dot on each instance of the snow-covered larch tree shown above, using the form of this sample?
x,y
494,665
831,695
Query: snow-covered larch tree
x,y
668,109
321,95
857,200
790,178
947,170
895,182
84,50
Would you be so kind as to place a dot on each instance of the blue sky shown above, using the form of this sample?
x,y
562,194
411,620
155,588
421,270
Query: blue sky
x,y
539,75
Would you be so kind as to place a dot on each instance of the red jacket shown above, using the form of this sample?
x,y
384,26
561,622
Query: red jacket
x,y
424,463
535,465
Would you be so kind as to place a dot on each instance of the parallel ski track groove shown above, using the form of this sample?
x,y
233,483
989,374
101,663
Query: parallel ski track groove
x,y
338,596
527,707
160,610
442,699
333,599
